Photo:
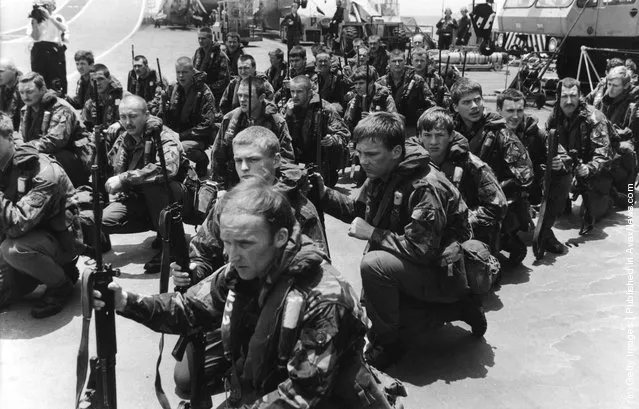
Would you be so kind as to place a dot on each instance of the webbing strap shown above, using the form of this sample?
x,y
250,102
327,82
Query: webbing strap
x,y
83,351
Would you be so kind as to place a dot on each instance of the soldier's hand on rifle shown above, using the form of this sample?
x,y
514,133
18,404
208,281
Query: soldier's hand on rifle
x,y
114,185
329,140
119,297
360,229
289,107
557,163
317,182
582,171
181,278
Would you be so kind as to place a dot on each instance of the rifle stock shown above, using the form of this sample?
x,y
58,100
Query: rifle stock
x,y
538,239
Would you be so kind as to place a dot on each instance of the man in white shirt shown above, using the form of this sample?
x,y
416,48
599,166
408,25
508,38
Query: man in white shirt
x,y
49,32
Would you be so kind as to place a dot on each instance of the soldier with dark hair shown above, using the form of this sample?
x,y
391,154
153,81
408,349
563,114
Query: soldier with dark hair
x,y
261,114
378,57
423,67
84,61
143,81
10,100
233,51
369,96
189,110
246,67
414,221
318,132
109,97
50,125
210,59
411,93
278,70
37,226
584,133
273,275
511,105
492,141
331,86
449,151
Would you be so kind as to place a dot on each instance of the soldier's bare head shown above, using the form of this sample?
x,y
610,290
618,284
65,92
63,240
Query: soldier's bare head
x,y
233,41
420,58
205,37
140,65
32,88
435,130
258,94
256,151
297,58
255,225
8,71
301,90
417,40
617,81
276,56
134,113
397,61
84,60
511,105
467,100
323,62
374,42
101,75
184,71
246,66
380,139
568,93
361,77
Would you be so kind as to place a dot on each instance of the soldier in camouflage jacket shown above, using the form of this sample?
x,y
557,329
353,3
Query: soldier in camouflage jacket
x,y
10,100
52,126
109,97
414,220
210,59
273,277
38,214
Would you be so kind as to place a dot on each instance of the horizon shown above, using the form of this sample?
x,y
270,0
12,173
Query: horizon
x,y
434,8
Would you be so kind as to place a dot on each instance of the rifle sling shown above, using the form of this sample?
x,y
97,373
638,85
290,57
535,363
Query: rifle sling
x,y
83,351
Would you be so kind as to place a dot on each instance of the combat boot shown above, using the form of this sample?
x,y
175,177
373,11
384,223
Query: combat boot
x,y
472,313
53,301
516,249
71,270
553,245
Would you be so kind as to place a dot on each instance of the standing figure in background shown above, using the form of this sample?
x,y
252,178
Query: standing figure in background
x,y
50,34
446,29
464,33
294,27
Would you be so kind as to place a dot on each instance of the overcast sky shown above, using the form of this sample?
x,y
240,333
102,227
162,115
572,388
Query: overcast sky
x,y
434,7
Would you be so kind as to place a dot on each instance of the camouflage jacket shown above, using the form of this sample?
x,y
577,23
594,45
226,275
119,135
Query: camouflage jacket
x,y
587,134
381,101
494,144
333,89
437,86
82,93
309,127
230,101
534,139
595,96
109,102
232,124
622,113
11,102
128,160
276,75
234,57
217,66
206,248
191,114
478,185
412,95
432,214
310,370
56,126
49,201
145,87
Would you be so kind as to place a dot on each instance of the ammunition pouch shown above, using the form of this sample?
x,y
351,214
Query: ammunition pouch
x,y
199,199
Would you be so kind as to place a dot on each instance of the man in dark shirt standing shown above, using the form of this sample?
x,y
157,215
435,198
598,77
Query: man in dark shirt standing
x,y
293,24
463,35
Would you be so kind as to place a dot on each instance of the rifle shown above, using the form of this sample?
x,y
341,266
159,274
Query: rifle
x,y
174,243
538,240
132,54
409,59
464,64
162,92
582,188
100,389
250,96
